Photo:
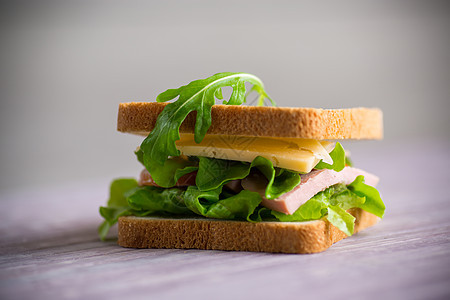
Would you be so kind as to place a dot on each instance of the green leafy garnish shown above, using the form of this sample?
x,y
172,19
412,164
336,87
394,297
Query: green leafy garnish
x,y
127,198
196,96
333,203
117,204
373,203
152,199
338,156
172,170
233,207
214,173
348,161
341,219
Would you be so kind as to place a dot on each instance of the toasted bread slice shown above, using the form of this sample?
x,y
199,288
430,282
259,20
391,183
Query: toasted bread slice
x,y
202,233
308,123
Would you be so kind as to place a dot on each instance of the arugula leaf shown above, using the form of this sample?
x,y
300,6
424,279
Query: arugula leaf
x,y
262,95
338,156
348,161
196,96
214,173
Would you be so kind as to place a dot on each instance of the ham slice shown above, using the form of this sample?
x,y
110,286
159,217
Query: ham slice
x,y
311,184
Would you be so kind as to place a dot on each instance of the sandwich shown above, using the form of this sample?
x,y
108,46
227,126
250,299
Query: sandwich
x,y
234,177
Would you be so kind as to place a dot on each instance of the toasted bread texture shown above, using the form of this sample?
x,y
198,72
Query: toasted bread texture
x,y
202,233
309,123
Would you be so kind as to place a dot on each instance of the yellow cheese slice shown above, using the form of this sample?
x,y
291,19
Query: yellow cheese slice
x,y
300,155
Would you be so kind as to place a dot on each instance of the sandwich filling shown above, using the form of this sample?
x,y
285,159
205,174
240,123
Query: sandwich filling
x,y
299,155
252,179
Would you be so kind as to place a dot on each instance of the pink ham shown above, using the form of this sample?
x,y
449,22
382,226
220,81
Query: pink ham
x,y
311,184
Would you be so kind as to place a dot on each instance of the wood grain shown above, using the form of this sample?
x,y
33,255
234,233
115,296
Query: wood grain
x,y
49,247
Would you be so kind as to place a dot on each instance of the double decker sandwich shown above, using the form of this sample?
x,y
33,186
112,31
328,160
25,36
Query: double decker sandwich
x,y
249,178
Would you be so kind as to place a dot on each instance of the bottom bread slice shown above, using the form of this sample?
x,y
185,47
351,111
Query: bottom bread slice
x,y
202,233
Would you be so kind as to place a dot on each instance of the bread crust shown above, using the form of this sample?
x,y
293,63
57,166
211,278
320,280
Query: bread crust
x,y
202,233
312,123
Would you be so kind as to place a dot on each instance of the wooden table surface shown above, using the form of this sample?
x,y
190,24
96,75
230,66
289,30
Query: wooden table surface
x,y
49,247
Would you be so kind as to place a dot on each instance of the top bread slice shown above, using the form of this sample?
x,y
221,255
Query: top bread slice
x,y
283,122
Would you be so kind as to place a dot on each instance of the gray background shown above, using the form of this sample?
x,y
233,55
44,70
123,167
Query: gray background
x,y
65,66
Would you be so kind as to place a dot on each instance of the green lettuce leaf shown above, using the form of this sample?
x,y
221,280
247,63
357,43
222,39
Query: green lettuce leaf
x,y
214,173
209,204
373,203
333,203
280,182
314,209
172,170
128,199
151,199
117,204
341,219
111,215
196,96
338,156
